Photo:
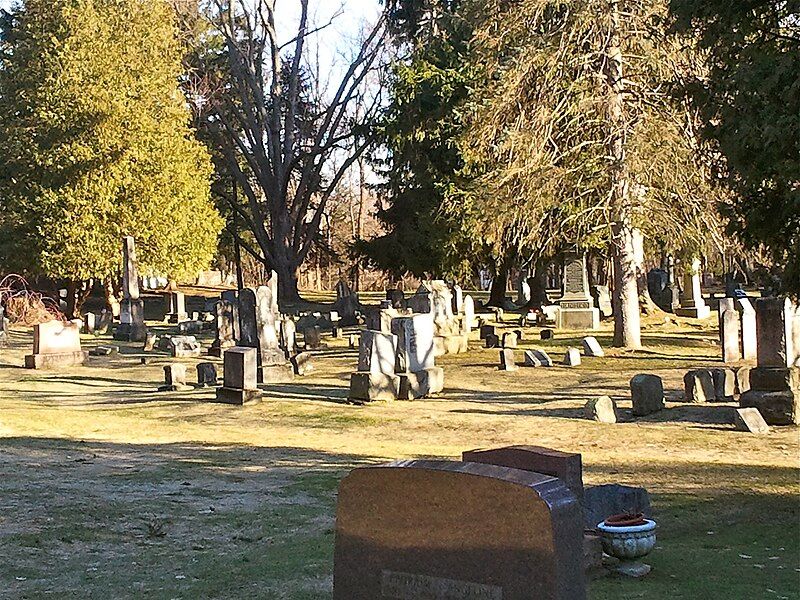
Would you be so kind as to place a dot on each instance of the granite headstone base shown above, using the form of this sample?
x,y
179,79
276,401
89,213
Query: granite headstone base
x,y
56,360
578,318
130,332
420,384
369,387
238,396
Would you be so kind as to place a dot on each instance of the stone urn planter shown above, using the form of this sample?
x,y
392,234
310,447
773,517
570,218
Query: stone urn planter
x,y
628,538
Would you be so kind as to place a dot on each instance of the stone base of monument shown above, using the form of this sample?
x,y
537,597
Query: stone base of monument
x,y
775,392
420,384
450,344
368,387
276,373
130,332
237,396
174,318
695,312
55,360
578,318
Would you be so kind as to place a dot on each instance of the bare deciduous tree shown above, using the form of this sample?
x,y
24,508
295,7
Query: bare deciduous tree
x,y
281,134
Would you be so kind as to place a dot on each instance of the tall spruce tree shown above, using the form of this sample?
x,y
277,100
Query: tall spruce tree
x,y
95,143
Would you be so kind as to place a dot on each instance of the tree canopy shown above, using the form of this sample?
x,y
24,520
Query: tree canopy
x,y
95,143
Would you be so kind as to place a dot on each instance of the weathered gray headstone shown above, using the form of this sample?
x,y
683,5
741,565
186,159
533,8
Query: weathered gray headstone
x,y
487,330
174,378
56,344
312,337
750,420
602,501
507,362
647,394
546,334
537,358
510,339
225,317
375,378
775,325
724,384
472,531
206,374
184,346
415,350
698,386
729,331
240,376
591,347
602,409
469,313
749,335
175,307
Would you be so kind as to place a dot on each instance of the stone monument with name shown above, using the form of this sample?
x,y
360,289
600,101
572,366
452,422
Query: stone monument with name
x,y
131,317
176,307
576,306
56,344
447,530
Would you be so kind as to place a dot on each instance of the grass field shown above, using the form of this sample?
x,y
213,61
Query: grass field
x,y
112,490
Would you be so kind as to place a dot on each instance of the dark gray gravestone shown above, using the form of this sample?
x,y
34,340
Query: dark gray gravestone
x,y
248,325
603,501
443,530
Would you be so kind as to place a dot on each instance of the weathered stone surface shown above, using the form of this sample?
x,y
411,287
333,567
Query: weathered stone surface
x,y
239,368
729,331
510,339
104,350
547,334
775,324
131,326
777,408
537,358
89,323
698,386
450,344
602,409
312,337
226,313
749,335
487,330
507,362
576,306
602,298
492,341
566,466
149,342
469,314
377,352
572,357
420,384
724,384
397,298
184,346
692,303
750,420
369,387
602,501
56,344
206,374
175,307
591,347
415,342
647,394
472,531
774,379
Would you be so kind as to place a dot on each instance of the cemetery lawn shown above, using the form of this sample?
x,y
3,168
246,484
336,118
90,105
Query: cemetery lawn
x,y
109,489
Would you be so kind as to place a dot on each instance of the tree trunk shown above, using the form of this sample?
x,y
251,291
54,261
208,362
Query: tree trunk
x,y
72,299
287,282
497,294
538,283
627,319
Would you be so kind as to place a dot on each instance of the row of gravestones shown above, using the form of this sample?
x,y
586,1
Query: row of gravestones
x,y
512,523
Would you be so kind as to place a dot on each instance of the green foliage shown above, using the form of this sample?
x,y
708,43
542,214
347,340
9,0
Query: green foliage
x,y
749,101
539,134
419,130
95,143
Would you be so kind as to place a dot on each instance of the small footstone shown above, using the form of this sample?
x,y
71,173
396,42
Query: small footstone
x,y
104,350
301,363
647,394
537,358
591,347
602,409
547,334
507,360
750,420
572,358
